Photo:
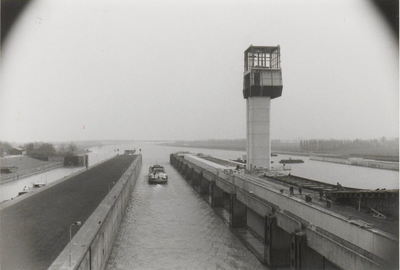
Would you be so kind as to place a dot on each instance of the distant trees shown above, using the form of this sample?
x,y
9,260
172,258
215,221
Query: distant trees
x,y
69,150
234,144
5,147
46,149
285,145
333,145
29,148
72,148
40,149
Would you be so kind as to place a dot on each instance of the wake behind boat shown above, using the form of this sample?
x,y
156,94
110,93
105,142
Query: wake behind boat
x,y
157,174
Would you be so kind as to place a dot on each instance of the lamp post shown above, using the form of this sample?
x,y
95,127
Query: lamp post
x,y
78,223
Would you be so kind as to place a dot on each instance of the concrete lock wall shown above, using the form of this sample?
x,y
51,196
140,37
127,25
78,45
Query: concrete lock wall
x,y
329,240
369,240
256,223
372,241
93,243
342,256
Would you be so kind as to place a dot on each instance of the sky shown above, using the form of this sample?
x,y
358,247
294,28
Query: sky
x,y
173,70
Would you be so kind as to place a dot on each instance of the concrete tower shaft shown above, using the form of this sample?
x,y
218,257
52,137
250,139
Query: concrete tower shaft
x,y
258,132
262,81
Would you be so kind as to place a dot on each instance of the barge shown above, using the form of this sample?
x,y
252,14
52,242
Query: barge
x,y
157,175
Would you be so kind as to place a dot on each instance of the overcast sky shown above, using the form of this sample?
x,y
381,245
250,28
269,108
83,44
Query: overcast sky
x,y
173,70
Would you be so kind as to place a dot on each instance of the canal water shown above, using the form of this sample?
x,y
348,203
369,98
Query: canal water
x,y
346,175
172,227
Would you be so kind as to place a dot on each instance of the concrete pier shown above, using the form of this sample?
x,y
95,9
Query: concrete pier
x,y
285,230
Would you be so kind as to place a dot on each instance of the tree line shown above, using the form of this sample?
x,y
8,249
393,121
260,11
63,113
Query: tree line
x,y
234,144
42,149
333,145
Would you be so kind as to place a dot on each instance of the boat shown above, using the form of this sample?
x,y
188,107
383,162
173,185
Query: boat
x,y
291,161
38,184
157,174
24,191
129,152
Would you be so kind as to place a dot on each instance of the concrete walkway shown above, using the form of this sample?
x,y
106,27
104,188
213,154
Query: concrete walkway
x,y
35,230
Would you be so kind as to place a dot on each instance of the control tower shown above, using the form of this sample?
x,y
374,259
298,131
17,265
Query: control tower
x,y
262,81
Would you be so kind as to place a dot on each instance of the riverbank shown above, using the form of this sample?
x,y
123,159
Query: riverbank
x,y
376,164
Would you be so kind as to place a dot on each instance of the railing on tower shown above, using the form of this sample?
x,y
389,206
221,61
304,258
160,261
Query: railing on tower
x,y
262,57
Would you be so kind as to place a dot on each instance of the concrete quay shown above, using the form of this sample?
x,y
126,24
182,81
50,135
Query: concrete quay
x,y
35,227
287,230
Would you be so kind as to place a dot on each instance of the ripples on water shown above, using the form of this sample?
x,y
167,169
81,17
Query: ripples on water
x,y
171,227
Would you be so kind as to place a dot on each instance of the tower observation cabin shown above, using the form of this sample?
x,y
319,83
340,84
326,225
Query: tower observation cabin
x,y
262,72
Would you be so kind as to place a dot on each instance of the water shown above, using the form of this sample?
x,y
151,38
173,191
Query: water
x,y
346,175
172,227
